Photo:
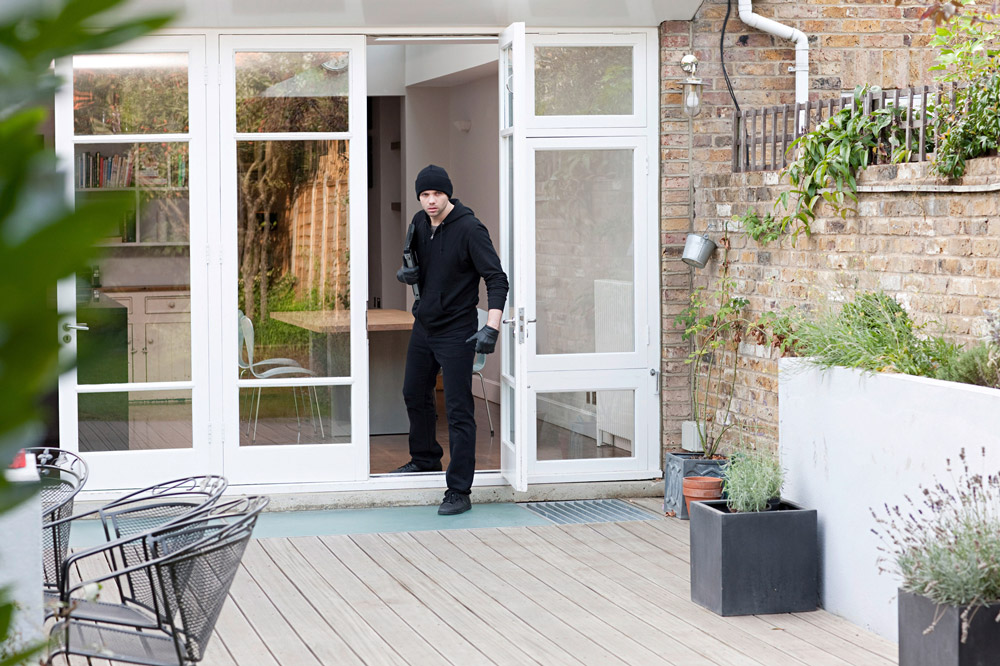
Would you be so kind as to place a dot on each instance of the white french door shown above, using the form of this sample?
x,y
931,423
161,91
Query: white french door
x,y
130,126
579,240
294,258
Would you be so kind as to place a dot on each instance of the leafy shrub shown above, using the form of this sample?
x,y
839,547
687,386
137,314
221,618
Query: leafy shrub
x,y
752,478
947,546
977,366
873,333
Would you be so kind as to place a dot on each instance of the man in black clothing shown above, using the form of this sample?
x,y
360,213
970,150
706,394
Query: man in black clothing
x,y
453,251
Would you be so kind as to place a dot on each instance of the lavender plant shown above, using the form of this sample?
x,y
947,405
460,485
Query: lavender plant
x,y
947,546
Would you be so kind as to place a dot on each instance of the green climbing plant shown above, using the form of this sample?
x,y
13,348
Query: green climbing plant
x,y
827,165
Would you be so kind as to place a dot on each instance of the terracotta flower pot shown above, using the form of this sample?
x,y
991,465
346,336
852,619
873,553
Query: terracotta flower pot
x,y
701,488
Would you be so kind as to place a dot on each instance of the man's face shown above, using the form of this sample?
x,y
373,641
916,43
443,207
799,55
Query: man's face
x,y
433,202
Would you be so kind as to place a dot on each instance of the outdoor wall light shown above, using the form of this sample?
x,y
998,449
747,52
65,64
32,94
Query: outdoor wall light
x,y
691,92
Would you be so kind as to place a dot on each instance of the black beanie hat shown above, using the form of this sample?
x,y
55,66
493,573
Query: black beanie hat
x,y
433,177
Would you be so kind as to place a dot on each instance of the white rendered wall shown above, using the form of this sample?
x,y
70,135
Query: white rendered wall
x,y
384,68
21,561
850,441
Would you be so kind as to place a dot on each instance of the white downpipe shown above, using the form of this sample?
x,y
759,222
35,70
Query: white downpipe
x,y
785,32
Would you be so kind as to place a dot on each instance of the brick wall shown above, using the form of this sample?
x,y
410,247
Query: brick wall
x,y
937,252
851,42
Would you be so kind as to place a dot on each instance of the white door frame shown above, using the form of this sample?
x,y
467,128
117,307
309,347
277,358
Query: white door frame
x,y
300,463
129,469
637,370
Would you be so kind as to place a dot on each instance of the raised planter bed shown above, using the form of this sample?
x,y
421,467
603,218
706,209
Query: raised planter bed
x,y
943,646
851,441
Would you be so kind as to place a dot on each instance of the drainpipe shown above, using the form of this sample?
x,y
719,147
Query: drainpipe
x,y
785,32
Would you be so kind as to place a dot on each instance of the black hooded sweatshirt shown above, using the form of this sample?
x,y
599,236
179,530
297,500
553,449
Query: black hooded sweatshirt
x,y
452,258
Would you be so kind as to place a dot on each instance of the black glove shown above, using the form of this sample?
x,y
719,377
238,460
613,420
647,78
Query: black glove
x,y
485,339
408,275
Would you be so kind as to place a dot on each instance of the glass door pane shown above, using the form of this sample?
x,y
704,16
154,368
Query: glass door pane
x,y
295,253
132,126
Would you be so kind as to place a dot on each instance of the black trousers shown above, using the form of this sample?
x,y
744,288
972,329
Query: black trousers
x,y
450,353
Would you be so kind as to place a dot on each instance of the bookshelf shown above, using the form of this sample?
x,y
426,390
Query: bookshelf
x,y
154,180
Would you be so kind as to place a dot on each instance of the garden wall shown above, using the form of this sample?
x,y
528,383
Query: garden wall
x,y
854,441
932,244
851,42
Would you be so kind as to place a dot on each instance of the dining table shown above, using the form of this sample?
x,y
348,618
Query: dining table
x,y
388,338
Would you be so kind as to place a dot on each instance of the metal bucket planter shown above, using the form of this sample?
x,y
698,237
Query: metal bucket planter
x,y
943,646
754,563
697,250
676,466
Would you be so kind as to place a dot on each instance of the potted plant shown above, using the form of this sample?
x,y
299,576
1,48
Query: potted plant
x,y
946,551
754,553
715,323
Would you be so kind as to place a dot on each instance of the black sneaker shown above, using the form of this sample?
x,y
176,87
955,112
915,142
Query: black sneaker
x,y
412,468
454,503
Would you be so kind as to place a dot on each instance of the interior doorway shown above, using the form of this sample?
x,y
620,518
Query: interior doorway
x,y
429,102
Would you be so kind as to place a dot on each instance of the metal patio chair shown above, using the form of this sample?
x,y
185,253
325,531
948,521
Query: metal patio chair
x,y
258,372
129,515
62,474
189,565
477,368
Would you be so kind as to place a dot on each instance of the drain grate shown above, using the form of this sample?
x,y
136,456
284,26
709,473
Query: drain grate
x,y
589,511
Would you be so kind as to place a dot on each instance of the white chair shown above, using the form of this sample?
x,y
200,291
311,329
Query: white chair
x,y
477,368
280,369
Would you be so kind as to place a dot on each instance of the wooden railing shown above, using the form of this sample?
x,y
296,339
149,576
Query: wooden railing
x,y
762,137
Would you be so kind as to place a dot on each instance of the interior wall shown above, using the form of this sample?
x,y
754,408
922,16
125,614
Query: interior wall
x,y
471,158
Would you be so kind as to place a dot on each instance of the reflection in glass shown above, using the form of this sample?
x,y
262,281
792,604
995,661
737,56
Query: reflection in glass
x,y
509,264
295,415
583,80
130,93
508,106
136,420
136,297
584,274
292,91
294,252
576,425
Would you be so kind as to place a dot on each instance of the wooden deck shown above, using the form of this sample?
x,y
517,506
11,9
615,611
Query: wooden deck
x,y
613,593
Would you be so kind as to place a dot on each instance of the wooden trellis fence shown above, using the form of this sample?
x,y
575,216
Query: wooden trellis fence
x,y
762,137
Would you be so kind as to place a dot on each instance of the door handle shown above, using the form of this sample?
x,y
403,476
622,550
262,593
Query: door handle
x,y
507,321
75,327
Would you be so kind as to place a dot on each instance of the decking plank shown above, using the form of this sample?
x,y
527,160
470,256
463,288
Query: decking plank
x,y
669,604
240,638
460,612
788,648
577,583
309,626
404,601
322,598
526,624
274,630
550,596
382,619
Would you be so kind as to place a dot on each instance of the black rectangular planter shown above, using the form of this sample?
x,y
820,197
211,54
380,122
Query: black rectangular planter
x,y
754,563
675,467
943,646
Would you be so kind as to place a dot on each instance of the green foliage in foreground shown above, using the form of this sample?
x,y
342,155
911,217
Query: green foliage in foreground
x,y
41,238
872,333
947,545
752,478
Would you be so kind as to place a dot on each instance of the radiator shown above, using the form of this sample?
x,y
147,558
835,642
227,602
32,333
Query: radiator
x,y
614,331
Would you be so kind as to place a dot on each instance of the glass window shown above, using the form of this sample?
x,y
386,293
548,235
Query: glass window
x,y
584,271
136,297
292,91
295,415
576,425
583,81
136,420
294,257
130,93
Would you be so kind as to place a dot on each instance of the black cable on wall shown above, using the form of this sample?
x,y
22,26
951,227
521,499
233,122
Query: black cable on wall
x,y
722,54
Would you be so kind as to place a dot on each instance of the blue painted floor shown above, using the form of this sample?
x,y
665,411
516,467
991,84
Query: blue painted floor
x,y
87,533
